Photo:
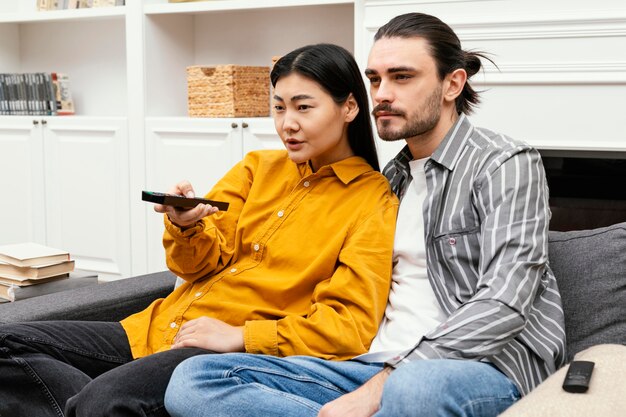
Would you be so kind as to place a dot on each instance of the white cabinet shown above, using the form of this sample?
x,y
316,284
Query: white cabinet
x,y
200,151
71,176
22,210
128,63
87,192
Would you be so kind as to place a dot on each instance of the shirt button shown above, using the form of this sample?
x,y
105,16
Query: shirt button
x,y
233,270
257,247
173,325
198,294
452,241
280,213
306,183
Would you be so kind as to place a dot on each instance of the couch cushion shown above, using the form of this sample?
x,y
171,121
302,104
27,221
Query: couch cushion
x,y
604,398
590,267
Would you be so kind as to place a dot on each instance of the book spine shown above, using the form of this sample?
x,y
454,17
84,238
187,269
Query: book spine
x,y
3,109
30,84
42,5
67,104
17,94
24,93
50,93
13,94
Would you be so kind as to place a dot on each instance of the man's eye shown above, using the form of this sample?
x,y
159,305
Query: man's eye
x,y
402,77
374,80
278,108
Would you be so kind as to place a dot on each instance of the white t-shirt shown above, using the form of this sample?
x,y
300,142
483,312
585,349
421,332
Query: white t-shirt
x,y
412,309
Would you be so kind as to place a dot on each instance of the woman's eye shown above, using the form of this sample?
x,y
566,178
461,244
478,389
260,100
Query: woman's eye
x,y
278,108
304,107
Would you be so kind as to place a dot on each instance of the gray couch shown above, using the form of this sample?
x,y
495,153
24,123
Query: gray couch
x,y
110,301
590,267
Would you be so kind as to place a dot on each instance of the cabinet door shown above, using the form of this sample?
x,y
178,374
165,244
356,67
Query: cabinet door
x,y
198,150
260,133
87,207
21,181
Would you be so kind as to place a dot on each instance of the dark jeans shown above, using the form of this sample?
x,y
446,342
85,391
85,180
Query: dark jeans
x,y
80,367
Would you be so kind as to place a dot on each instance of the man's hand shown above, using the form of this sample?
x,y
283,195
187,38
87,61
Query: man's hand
x,y
362,402
211,334
185,218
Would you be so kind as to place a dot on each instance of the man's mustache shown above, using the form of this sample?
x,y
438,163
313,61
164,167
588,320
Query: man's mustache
x,y
386,107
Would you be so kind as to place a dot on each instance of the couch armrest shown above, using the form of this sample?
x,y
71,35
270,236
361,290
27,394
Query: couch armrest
x,y
605,396
109,301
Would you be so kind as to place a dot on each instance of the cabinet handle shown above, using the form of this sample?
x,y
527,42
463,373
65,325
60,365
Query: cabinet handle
x,y
35,122
234,125
244,125
44,122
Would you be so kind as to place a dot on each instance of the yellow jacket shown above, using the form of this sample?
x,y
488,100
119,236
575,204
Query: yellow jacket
x,y
301,259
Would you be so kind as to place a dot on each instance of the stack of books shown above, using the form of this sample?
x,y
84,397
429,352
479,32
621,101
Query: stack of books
x,y
30,269
37,93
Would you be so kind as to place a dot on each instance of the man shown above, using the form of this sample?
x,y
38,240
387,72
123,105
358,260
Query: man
x,y
474,318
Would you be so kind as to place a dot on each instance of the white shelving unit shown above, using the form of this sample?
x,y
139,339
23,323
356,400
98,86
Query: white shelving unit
x,y
127,73
560,87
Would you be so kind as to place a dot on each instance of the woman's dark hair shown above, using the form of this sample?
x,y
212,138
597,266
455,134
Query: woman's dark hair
x,y
336,71
445,49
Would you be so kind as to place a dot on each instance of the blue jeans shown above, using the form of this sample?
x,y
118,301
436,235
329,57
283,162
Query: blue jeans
x,y
256,386
76,368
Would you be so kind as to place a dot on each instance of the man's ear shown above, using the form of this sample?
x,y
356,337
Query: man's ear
x,y
351,108
454,83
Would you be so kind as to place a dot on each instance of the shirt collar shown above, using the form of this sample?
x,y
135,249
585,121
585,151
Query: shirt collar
x,y
346,170
449,150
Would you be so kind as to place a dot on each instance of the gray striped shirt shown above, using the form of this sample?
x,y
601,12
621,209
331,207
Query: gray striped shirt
x,y
486,221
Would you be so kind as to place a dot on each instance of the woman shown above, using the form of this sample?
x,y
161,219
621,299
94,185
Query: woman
x,y
299,264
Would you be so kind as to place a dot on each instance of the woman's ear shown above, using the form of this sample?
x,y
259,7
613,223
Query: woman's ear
x,y
351,108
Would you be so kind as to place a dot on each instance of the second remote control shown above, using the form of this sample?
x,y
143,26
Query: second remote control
x,y
578,376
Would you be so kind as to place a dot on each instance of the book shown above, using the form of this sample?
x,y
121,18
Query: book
x,y
75,280
29,254
64,101
27,281
21,273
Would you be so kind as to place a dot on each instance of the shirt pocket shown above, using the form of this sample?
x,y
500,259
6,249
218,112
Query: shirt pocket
x,y
458,254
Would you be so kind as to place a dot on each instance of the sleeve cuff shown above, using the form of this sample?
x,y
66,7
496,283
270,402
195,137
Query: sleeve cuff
x,y
260,336
178,233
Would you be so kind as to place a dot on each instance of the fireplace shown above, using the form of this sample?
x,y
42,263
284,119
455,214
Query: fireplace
x,y
585,192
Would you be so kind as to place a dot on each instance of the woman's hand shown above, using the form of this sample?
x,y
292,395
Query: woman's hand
x,y
211,334
185,218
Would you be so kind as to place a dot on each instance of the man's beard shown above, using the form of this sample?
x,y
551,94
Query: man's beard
x,y
421,122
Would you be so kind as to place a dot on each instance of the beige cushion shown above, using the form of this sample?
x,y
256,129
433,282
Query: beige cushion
x,y
606,396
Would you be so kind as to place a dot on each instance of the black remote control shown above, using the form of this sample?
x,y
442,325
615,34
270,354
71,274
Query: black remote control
x,y
578,376
179,201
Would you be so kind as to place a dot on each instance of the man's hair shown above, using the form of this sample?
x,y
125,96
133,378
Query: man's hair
x,y
445,48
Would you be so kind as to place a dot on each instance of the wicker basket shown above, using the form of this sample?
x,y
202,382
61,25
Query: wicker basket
x,y
228,91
